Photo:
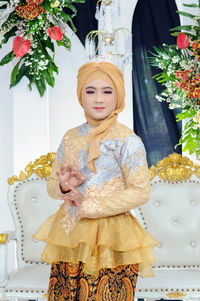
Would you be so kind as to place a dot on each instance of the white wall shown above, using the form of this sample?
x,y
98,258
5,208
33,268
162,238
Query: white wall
x,y
6,138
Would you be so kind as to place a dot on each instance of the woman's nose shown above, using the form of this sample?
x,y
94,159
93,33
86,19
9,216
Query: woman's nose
x,y
99,98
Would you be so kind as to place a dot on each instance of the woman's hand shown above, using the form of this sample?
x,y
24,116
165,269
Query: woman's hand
x,y
69,177
75,198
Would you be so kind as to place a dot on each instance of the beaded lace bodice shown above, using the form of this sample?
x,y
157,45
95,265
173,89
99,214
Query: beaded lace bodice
x,y
122,179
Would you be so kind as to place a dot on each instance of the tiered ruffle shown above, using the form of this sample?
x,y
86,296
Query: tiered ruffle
x,y
98,243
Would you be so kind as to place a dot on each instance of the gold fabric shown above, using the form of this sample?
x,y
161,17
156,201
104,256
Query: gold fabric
x,y
105,235
99,243
91,71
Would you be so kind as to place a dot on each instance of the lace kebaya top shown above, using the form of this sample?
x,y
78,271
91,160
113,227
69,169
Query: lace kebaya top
x,y
102,233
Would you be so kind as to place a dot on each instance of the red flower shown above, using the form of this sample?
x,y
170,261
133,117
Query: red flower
x,y
55,33
195,45
182,40
21,46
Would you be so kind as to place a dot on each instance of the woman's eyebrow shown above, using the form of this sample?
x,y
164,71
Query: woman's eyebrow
x,y
90,87
104,88
107,88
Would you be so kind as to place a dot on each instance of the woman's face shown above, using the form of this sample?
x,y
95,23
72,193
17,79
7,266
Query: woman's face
x,y
99,99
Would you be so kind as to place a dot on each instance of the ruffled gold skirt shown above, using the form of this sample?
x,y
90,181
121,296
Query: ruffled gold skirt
x,y
98,243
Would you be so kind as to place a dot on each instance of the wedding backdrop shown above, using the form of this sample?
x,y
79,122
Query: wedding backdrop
x,y
31,126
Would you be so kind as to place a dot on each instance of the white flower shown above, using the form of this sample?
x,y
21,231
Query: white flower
x,y
175,97
175,59
196,118
159,98
165,56
183,64
174,105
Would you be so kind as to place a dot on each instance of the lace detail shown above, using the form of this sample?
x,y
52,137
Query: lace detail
x,y
69,221
94,196
132,153
60,153
72,153
119,200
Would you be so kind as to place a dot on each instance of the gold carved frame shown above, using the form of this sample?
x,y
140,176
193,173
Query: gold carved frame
x,y
41,167
175,168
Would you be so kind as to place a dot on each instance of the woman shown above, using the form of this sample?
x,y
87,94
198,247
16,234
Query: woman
x,y
96,247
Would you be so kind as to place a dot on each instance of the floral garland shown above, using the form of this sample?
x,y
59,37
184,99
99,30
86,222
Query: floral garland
x,y
35,25
180,65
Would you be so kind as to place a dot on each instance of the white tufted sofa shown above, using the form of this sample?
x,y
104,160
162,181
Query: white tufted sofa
x,y
30,205
172,216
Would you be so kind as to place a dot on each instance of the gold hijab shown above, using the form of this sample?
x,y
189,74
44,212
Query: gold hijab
x,y
111,74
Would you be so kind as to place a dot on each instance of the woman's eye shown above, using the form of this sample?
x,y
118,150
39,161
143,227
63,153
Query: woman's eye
x,y
108,92
89,92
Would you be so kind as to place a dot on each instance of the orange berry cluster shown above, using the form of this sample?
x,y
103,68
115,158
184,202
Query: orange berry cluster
x,y
195,45
31,10
190,84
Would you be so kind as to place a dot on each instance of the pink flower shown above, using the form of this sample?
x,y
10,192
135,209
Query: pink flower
x,y
182,40
21,46
55,33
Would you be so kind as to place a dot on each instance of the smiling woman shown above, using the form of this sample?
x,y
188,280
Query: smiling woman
x,y
99,99
96,247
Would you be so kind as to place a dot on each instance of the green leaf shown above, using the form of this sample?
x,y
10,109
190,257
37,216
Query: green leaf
x,y
40,84
30,86
48,43
7,58
49,77
185,14
22,71
190,35
14,72
72,7
53,68
190,5
183,27
68,19
190,145
187,114
8,35
64,42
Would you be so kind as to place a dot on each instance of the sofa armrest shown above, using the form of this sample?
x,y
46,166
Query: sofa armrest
x,y
3,258
4,239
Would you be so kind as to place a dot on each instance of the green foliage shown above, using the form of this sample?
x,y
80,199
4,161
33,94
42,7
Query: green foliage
x,y
178,72
38,63
7,58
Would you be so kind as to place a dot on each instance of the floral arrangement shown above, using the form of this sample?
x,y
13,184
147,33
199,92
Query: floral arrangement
x,y
34,25
180,65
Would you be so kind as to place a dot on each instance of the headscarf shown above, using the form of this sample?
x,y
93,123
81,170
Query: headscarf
x,y
113,75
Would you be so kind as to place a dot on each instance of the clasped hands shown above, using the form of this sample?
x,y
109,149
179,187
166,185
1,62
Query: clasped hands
x,y
69,179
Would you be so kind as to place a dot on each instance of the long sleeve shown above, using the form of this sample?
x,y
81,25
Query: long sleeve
x,y
132,161
53,187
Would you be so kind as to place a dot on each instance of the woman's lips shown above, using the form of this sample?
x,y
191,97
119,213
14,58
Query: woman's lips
x,y
99,108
